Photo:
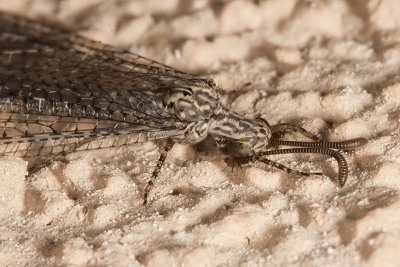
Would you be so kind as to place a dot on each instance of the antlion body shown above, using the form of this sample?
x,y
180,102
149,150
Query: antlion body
x,y
59,91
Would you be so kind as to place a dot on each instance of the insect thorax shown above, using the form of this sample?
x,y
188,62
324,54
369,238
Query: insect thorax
x,y
194,106
191,104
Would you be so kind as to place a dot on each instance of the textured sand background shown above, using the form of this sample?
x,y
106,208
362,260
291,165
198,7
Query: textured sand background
x,y
330,66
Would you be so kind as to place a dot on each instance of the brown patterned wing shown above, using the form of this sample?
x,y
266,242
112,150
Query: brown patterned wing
x,y
56,85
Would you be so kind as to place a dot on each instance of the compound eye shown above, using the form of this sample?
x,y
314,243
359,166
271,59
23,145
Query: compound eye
x,y
245,149
235,148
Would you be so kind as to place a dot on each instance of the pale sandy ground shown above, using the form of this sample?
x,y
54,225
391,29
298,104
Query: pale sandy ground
x,y
331,66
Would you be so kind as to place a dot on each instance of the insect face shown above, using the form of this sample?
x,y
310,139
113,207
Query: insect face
x,y
239,137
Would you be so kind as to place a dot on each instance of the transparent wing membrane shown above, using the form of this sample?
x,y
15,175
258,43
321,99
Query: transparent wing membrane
x,y
56,85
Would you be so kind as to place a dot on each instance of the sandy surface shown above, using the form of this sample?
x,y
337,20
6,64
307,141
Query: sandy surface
x,y
330,66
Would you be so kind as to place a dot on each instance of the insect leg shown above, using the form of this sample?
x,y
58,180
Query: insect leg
x,y
287,169
279,129
168,145
343,170
237,162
